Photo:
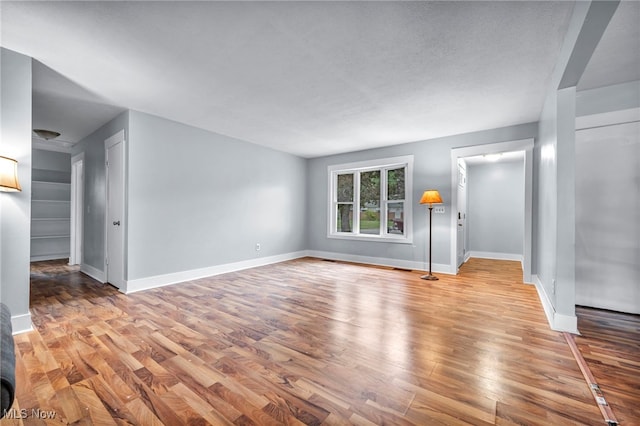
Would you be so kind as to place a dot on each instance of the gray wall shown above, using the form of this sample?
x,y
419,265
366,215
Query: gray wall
x,y
51,166
95,190
609,98
198,199
495,210
608,228
432,169
15,208
608,217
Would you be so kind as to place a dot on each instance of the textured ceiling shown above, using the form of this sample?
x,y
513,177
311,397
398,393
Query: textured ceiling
x,y
310,78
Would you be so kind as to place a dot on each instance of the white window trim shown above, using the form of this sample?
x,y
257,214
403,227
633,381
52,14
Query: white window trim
x,y
360,166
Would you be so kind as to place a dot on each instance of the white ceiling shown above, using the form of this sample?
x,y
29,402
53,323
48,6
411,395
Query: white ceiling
x,y
503,157
309,78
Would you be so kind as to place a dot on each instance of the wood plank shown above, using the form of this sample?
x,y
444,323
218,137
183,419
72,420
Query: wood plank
x,y
610,345
313,342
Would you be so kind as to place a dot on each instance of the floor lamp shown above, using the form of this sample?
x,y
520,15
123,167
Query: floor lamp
x,y
431,197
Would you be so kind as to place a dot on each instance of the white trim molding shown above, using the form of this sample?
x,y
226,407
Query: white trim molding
x,y
494,255
557,321
585,122
139,284
380,261
148,283
77,209
21,323
383,165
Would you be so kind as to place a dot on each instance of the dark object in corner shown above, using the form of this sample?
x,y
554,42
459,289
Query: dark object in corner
x,y
8,361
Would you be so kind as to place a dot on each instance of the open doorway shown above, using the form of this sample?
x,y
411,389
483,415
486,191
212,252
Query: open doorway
x,y
460,196
493,210
462,233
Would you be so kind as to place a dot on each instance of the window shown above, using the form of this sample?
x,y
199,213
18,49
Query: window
x,y
371,200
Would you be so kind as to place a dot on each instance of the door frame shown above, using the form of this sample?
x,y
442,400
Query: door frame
x,y
77,209
461,165
525,145
117,138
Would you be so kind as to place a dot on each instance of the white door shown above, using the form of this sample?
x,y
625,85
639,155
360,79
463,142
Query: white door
x,y
461,213
77,205
115,210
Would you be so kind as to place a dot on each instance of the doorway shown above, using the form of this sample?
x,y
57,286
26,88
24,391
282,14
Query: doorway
x,y
115,224
525,145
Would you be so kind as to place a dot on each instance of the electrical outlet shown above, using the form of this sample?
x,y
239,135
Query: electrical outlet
x,y
438,209
257,246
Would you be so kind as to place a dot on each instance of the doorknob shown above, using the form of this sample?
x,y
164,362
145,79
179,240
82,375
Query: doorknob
x,y
117,223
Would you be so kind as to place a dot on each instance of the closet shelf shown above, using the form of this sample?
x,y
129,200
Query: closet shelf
x,y
50,214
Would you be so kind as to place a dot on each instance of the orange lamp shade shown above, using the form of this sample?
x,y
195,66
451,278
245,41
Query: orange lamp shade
x,y
9,175
431,196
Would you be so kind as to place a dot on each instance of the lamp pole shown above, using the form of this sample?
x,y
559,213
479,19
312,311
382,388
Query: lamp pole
x,y
430,220
430,196
430,276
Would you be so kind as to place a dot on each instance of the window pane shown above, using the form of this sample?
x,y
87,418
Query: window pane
x,y
345,188
370,221
395,214
395,184
344,222
370,202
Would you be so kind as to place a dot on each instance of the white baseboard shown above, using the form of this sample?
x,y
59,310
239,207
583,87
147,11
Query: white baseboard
x,y
94,273
494,255
147,283
557,322
568,323
48,257
381,261
21,323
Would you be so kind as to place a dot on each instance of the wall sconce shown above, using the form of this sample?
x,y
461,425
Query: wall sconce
x,y
9,175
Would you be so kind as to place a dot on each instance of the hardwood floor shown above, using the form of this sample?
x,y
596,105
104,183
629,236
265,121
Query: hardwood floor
x,y
610,344
302,342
